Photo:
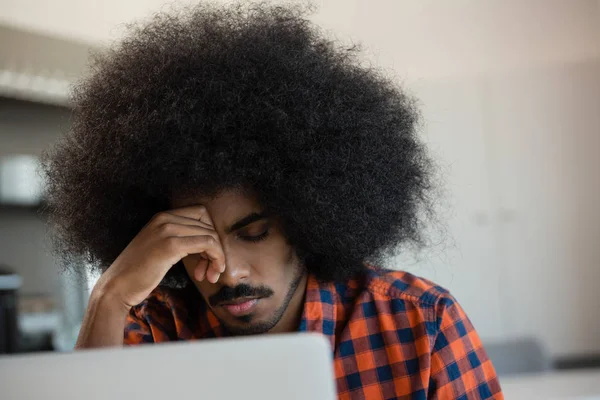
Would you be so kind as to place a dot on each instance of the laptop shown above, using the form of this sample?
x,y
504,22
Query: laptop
x,y
270,367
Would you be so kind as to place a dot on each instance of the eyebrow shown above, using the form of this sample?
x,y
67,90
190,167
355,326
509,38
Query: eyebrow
x,y
247,220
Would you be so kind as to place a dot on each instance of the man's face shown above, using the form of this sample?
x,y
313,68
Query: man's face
x,y
262,288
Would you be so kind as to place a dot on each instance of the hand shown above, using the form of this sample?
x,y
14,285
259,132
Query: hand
x,y
165,240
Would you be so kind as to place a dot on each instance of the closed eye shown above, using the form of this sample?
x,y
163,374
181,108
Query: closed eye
x,y
255,232
255,238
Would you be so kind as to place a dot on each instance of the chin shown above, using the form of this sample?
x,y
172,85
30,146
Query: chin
x,y
254,323
251,328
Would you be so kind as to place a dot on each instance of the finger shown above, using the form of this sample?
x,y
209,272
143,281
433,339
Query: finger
x,y
200,270
212,274
165,217
197,212
171,229
202,244
187,221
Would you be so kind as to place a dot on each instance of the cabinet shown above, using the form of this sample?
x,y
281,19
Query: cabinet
x,y
543,130
464,256
519,160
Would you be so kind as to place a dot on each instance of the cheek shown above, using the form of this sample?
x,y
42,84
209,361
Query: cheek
x,y
275,265
270,259
271,263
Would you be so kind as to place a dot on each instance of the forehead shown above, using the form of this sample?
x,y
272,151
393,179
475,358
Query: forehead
x,y
225,206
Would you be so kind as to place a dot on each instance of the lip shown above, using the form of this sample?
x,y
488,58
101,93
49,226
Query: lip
x,y
241,308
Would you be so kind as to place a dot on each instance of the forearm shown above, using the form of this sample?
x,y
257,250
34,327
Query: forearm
x,y
104,322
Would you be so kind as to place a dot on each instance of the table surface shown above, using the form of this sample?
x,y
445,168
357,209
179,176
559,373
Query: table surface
x,y
575,384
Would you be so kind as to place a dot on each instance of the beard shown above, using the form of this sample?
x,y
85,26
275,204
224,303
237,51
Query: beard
x,y
249,327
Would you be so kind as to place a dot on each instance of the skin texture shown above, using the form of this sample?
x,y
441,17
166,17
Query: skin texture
x,y
231,252
257,255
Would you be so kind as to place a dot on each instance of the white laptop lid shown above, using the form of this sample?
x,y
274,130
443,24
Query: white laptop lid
x,y
292,366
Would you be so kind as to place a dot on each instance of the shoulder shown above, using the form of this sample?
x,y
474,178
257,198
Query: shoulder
x,y
401,285
401,294
400,300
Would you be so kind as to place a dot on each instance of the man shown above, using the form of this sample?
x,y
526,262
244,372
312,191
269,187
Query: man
x,y
233,172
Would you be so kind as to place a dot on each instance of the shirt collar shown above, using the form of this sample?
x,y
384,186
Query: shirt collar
x,y
319,313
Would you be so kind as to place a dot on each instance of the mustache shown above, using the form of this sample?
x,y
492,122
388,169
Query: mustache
x,y
228,293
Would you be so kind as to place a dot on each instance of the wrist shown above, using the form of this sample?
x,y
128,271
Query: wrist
x,y
106,296
104,321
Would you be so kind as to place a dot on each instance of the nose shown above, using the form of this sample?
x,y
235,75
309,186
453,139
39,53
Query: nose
x,y
236,271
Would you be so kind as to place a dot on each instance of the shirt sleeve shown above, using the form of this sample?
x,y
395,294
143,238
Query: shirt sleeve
x,y
151,321
460,367
137,329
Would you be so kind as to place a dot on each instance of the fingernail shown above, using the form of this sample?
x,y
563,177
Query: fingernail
x,y
217,278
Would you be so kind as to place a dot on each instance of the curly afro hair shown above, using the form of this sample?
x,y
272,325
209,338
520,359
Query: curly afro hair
x,y
252,96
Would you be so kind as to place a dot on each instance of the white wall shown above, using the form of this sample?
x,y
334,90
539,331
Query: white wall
x,y
520,152
417,38
544,135
510,97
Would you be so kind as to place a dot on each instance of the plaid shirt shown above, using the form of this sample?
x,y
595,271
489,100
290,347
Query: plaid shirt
x,y
393,335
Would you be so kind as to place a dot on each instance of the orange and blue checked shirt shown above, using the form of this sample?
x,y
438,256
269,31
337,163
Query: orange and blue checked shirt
x,y
393,335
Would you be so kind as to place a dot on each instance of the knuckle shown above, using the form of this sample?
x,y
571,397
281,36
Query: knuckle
x,y
166,229
205,216
160,218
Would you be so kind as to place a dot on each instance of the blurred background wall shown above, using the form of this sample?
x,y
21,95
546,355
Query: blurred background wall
x,y
510,93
